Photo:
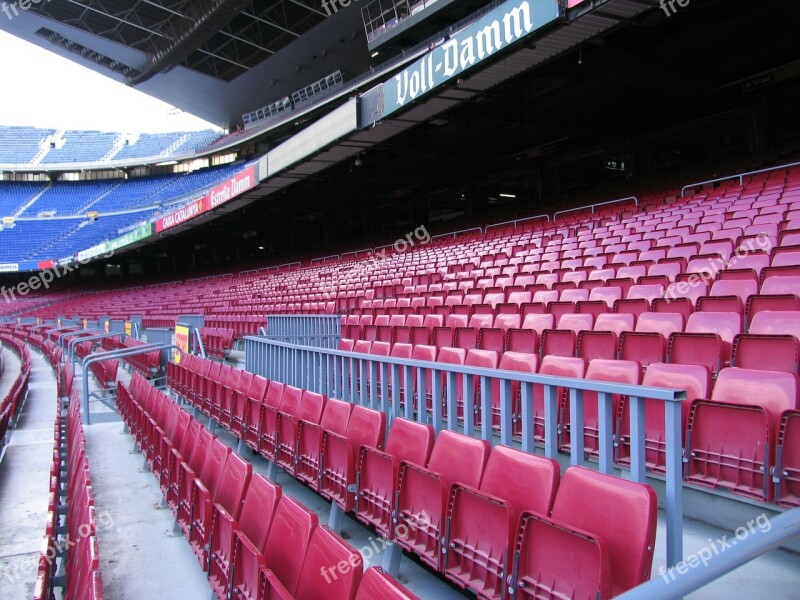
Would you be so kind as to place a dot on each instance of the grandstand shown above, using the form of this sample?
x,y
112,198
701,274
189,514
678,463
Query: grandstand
x,y
506,307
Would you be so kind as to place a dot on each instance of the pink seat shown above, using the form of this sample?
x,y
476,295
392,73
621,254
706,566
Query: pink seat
x,y
376,584
481,522
586,549
707,340
788,465
423,492
378,472
335,417
729,436
694,379
560,366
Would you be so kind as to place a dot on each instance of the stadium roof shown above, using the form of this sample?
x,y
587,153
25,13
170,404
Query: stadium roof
x,y
214,58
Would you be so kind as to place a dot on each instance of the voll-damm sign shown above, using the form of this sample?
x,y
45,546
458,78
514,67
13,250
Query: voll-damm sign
x,y
497,29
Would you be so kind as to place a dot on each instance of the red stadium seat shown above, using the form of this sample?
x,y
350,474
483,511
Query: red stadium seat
x,y
253,523
340,454
481,522
322,575
730,437
423,492
787,466
376,584
694,379
378,472
335,417
586,549
707,340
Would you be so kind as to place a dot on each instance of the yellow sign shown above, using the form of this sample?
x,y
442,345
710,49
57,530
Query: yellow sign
x,y
181,341
8,220
108,327
128,328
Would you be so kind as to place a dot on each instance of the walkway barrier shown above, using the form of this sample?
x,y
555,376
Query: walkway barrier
x,y
432,392
318,331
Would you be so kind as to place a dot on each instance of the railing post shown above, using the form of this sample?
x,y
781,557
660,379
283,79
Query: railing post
x,y
674,489
638,457
550,422
605,431
576,427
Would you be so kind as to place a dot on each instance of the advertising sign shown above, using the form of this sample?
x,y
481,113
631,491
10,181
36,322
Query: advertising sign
x,y
498,29
228,190
181,341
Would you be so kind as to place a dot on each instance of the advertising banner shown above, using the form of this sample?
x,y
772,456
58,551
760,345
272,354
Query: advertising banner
x,y
228,190
181,341
498,29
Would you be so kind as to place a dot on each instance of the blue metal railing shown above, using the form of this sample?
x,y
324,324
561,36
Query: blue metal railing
x,y
376,382
320,331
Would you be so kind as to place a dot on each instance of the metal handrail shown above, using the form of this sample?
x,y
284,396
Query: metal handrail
x,y
335,373
101,356
740,176
593,206
455,233
493,225
686,577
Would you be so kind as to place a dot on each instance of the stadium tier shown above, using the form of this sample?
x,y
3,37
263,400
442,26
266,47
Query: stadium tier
x,y
28,147
50,221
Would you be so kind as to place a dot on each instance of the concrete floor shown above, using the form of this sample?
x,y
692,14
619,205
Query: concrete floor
x,y
141,558
24,480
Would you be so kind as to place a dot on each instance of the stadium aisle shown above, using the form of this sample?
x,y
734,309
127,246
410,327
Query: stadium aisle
x,y
24,475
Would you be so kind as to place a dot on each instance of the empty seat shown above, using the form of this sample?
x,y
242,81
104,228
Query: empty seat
x,y
559,366
481,522
615,371
707,340
309,409
694,379
340,454
253,523
587,549
378,472
771,345
423,492
647,344
377,584
322,575
730,437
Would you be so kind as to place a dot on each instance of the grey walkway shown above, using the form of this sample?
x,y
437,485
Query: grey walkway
x,y
24,480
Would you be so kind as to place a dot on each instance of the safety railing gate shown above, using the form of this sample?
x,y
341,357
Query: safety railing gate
x,y
340,374
318,331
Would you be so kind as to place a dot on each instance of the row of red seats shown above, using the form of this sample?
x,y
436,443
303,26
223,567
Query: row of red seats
x,y
239,524
71,517
710,339
218,342
415,493
241,323
9,405
714,409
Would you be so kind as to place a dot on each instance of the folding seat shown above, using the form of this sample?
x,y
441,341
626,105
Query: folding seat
x,y
632,272
614,371
281,555
457,320
609,295
685,251
670,270
238,404
376,584
339,454
785,256
558,342
585,549
787,465
423,492
707,340
309,408
538,323
771,345
639,299
217,499
443,337
378,472
728,296
278,397
532,308
322,575
523,340
558,366
602,342
730,438
202,486
647,343
781,285
481,522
